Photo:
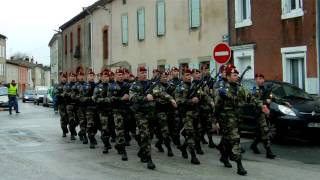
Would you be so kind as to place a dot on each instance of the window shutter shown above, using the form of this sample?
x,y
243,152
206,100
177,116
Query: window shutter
x,y
124,22
160,17
249,9
194,6
285,6
141,23
237,11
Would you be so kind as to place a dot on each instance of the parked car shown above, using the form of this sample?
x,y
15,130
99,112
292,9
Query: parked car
x,y
38,98
48,98
302,118
4,100
28,95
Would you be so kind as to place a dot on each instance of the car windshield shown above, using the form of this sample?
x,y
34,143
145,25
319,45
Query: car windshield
x,y
288,91
42,92
29,92
3,91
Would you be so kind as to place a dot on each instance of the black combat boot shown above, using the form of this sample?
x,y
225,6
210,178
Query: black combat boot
x,y
64,134
183,149
254,147
203,140
124,155
168,146
91,139
107,145
119,148
194,159
211,143
72,137
142,156
94,140
81,134
269,153
241,171
198,148
85,139
224,157
158,145
150,164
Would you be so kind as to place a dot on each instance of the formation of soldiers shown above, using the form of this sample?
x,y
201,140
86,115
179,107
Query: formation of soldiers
x,y
123,107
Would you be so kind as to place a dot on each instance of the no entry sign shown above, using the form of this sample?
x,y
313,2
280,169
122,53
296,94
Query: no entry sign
x,y
221,53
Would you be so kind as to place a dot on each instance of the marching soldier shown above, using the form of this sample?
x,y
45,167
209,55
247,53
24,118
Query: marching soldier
x,y
143,104
229,100
188,105
119,93
163,102
71,105
86,98
103,102
62,104
260,92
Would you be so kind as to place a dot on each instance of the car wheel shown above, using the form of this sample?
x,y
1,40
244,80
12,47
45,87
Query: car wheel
x,y
23,101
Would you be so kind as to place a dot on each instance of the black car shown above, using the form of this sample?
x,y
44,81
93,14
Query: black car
x,y
303,117
28,95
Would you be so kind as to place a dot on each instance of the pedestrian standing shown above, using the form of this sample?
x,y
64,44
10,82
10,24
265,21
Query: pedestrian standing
x,y
12,95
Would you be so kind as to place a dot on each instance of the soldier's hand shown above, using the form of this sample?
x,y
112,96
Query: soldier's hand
x,y
266,110
125,97
195,100
288,104
149,97
174,103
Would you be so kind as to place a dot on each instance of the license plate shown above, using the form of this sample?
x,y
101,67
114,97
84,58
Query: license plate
x,y
315,125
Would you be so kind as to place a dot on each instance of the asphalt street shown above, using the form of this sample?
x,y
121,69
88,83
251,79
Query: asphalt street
x,y
31,147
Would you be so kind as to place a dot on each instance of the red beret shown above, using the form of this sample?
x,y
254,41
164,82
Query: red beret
x,y
131,75
259,75
222,68
111,73
231,69
142,69
174,69
72,74
81,73
155,70
195,70
120,71
90,71
125,70
63,74
188,71
105,72
165,74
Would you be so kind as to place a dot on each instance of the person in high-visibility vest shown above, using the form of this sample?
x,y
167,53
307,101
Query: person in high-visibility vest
x,y
12,95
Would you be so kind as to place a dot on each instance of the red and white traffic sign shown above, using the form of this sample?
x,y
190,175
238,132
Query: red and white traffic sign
x,y
221,53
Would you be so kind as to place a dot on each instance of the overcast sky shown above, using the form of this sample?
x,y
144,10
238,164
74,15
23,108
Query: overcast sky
x,y
30,24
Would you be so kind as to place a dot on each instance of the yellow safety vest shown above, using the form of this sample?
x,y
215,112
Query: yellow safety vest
x,y
12,90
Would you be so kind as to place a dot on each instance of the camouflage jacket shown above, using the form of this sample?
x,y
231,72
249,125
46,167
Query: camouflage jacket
x,y
116,91
58,92
203,94
101,96
86,93
67,92
161,97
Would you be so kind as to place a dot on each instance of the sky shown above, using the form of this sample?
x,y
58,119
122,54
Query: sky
x,y
29,24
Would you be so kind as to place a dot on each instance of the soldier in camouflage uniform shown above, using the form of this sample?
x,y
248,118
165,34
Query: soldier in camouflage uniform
x,y
163,102
143,105
174,117
260,92
119,93
81,112
62,104
86,99
112,128
103,102
229,101
71,106
188,106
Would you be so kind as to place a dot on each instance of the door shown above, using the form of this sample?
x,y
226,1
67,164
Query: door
x,y
296,72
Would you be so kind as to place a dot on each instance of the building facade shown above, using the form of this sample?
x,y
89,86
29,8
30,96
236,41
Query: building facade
x,y
277,38
2,58
55,46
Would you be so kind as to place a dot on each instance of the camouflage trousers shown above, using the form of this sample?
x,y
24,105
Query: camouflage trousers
x,y
72,118
230,140
189,121
81,112
63,118
104,121
144,119
174,125
206,120
262,131
162,126
92,121
119,126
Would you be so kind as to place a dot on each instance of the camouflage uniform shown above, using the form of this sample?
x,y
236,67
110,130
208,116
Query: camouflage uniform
x,y
62,108
116,91
103,102
129,121
144,115
86,99
71,108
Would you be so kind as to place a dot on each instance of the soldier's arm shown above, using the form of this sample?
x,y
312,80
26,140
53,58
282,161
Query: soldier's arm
x,y
135,95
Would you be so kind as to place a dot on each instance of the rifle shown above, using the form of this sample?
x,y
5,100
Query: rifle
x,y
200,85
153,84
243,73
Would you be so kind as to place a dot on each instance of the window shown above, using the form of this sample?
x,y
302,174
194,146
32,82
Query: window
x,y
124,29
65,44
105,44
140,22
243,57
71,42
242,13
194,13
79,36
0,51
292,9
161,18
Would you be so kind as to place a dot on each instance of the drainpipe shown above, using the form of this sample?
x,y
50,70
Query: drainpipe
x,y
318,41
91,35
111,27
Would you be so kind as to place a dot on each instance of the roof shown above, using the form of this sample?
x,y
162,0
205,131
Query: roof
x,y
54,38
84,13
3,36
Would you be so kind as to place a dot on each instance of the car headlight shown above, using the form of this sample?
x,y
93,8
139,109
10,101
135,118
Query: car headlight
x,y
287,111
26,97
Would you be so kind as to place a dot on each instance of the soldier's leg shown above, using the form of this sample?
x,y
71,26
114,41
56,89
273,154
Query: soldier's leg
x,y
209,130
157,129
264,130
176,124
83,125
163,122
104,121
112,128
63,120
91,131
189,135
120,140
72,121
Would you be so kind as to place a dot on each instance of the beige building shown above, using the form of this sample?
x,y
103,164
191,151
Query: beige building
x,y
2,58
12,72
55,46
